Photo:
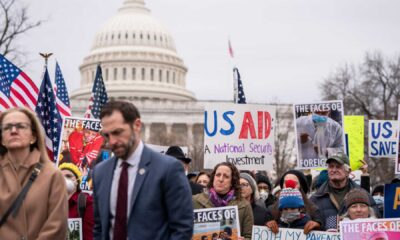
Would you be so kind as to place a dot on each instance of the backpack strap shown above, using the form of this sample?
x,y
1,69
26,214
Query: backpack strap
x,y
21,196
82,204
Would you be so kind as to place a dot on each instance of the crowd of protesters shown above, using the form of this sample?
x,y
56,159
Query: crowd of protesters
x,y
142,194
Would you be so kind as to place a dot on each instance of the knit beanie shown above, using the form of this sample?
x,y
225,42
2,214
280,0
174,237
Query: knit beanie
x,y
302,180
378,189
356,195
253,185
263,179
290,197
72,168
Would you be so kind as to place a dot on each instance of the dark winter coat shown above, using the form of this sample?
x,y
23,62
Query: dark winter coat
x,y
327,205
259,214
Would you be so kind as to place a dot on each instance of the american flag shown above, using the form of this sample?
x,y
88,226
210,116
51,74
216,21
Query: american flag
x,y
62,94
16,88
49,116
239,93
99,96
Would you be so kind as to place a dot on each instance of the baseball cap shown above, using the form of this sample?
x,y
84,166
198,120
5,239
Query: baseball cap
x,y
340,158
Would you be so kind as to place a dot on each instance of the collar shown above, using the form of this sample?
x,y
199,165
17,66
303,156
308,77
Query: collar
x,y
135,157
32,159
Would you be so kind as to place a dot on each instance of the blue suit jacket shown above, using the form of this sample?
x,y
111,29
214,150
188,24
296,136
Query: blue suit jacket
x,y
161,205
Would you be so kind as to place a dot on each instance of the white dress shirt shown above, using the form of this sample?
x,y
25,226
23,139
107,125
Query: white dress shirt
x,y
133,162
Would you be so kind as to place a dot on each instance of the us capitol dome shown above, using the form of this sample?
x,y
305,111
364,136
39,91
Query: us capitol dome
x,y
140,64
138,58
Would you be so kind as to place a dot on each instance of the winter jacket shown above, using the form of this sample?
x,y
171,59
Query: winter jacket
x,y
327,205
88,217
246,220
259,213
44,212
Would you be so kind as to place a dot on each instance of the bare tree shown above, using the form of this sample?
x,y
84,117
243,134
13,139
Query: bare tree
x,y
284,139
14,22
372,90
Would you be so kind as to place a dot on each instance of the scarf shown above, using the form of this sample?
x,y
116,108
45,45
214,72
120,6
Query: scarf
x,y
217,201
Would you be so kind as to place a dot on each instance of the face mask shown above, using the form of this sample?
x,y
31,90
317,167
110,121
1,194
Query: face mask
x,y
264,194
378,199
318,118
71,186
290,217
186,173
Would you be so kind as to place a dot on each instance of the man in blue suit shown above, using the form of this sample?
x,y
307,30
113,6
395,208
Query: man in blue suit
x,y
138,193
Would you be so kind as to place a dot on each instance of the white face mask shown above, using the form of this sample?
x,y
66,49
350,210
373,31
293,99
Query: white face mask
x,y
290,217
264,194
378,199
71,185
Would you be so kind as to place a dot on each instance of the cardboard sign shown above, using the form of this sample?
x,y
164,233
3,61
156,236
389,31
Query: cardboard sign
x,y
354,129
382,139
216,223
373,229
242,134
82,145
74,229
264,233
319,132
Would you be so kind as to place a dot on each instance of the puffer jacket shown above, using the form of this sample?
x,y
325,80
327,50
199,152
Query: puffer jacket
x,y
246,219
327,205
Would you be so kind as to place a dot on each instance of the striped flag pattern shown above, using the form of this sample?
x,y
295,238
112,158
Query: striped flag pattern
x,y
16,88
63,104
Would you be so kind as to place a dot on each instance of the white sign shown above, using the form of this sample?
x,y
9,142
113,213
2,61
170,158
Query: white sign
x,y
242,134
382,138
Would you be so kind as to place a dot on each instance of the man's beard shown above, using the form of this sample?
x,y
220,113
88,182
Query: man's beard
x,y
128,148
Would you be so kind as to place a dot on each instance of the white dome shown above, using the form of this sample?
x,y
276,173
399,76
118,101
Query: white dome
x,y
138,58
134,25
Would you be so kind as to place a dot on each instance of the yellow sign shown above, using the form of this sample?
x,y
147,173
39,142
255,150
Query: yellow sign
x,y
354,129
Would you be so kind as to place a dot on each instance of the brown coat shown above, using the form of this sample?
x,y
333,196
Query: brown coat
x,y
245,212
44,212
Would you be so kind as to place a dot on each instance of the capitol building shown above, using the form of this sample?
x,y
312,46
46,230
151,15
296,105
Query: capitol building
x,y
140,63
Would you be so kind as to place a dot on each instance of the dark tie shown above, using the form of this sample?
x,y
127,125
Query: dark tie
x,y
120,224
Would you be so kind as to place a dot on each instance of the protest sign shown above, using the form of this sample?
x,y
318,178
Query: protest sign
x,y
242,134
74,229
391,207
81,143
382,138
319,132
220,223
354,129
264,233
374,229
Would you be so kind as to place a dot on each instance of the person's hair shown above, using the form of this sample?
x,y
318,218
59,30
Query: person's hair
x,y
129,111
36,129
371,213
202,173
235,182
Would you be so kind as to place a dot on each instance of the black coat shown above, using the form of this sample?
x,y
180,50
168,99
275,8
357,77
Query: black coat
x,y
259,214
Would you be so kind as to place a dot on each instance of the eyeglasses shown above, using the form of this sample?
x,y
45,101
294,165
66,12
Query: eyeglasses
x,y
244,185
19,126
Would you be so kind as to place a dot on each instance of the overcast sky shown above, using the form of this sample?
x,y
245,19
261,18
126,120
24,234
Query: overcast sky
x,y
283,48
